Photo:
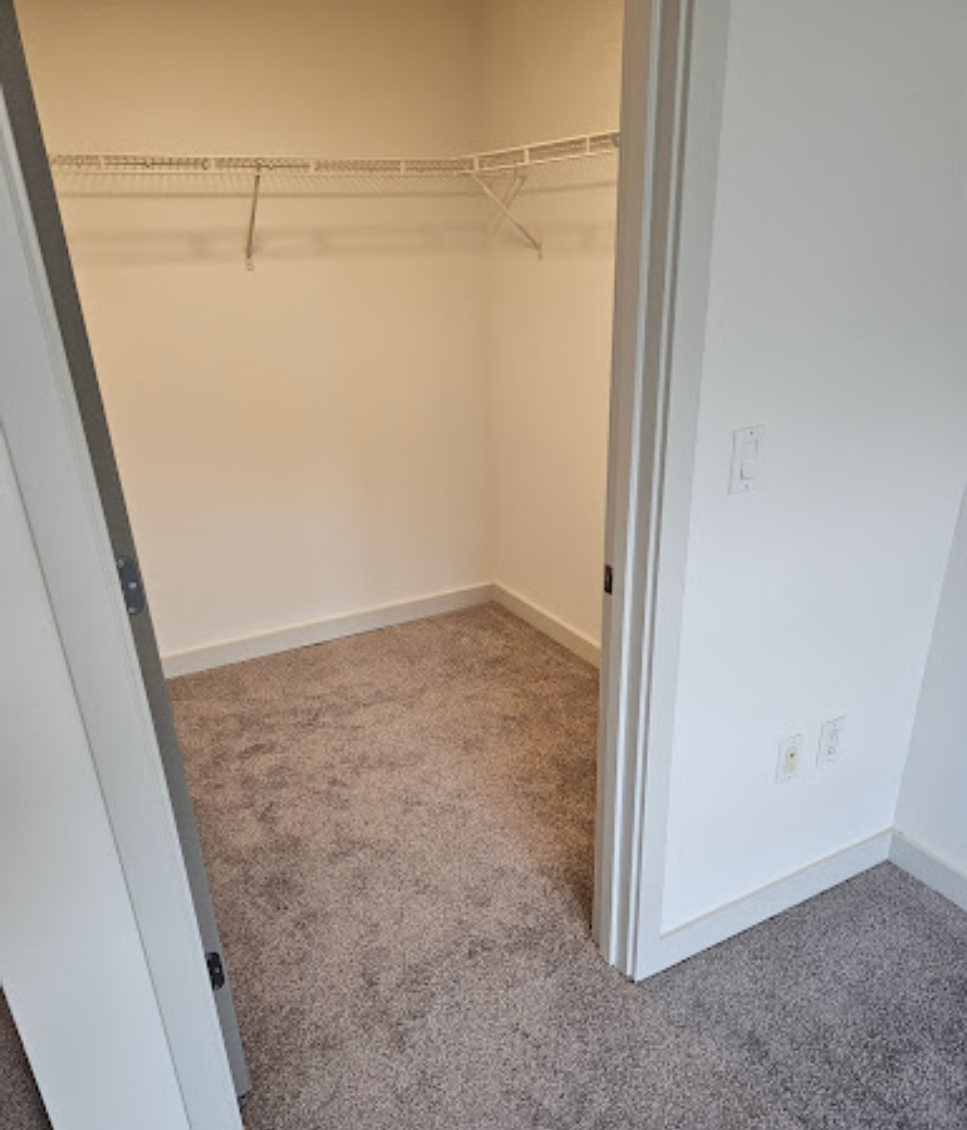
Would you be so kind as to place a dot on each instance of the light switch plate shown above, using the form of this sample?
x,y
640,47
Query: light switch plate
x,y
746,459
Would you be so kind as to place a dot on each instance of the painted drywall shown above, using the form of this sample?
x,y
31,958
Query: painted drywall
x,y
552,69
384,410
934,793
834,322
930,812
308,439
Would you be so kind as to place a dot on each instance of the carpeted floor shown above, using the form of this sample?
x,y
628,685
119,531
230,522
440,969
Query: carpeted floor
x,y
399,833
20,1104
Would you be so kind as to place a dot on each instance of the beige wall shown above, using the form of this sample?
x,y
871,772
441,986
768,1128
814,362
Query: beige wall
x,y
552,68
307,439
380,411
242,75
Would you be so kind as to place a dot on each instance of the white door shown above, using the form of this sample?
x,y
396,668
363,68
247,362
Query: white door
x,y
71,959
42,203
100,949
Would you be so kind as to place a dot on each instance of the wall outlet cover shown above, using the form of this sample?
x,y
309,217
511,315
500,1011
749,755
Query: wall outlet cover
x,y
831,742
790,758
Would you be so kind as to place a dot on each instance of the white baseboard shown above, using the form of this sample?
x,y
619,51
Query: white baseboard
x,y
711,929
371,619
932,870
543,621
321,631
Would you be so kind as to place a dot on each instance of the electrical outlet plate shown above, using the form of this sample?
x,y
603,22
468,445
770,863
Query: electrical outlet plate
x,y
831,742
790,758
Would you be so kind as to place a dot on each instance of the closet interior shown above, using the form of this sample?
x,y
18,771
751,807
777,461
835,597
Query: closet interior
x,y
347,272
348,280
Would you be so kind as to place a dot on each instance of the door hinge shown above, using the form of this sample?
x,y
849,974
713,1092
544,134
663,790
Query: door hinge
x,y
132,588
216,971
608,579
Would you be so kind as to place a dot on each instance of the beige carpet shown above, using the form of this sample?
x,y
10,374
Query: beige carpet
x,y
399,833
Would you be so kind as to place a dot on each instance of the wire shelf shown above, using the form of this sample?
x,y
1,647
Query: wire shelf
x,y
499,175
519,159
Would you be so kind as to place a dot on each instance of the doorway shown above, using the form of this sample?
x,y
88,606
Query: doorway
x,y
536,650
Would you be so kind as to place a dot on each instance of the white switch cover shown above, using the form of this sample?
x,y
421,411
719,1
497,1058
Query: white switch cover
x,y
790,758
831,741
746,459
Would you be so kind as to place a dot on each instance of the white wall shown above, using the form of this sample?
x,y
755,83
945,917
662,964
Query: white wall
x,y
308,439
382,410
931,811
552,69
834,321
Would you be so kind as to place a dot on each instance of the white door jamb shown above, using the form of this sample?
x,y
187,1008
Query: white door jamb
x,y
670,129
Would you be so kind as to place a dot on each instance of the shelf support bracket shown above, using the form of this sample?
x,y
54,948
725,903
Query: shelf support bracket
x,y
250,241
505,212
507,199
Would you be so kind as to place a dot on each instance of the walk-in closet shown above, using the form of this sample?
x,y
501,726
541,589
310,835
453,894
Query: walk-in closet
x,y
347,272
349,294
483,577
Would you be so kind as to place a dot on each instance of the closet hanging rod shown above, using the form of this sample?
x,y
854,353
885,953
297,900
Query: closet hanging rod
x,y
493,162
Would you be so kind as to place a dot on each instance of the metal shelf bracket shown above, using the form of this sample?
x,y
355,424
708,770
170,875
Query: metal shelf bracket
x,y
503,209
485,170
250,241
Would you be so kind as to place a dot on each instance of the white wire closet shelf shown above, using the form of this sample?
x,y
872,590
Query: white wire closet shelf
x,y
478,172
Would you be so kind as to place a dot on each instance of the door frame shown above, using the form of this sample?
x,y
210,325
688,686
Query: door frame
x,y
671,124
